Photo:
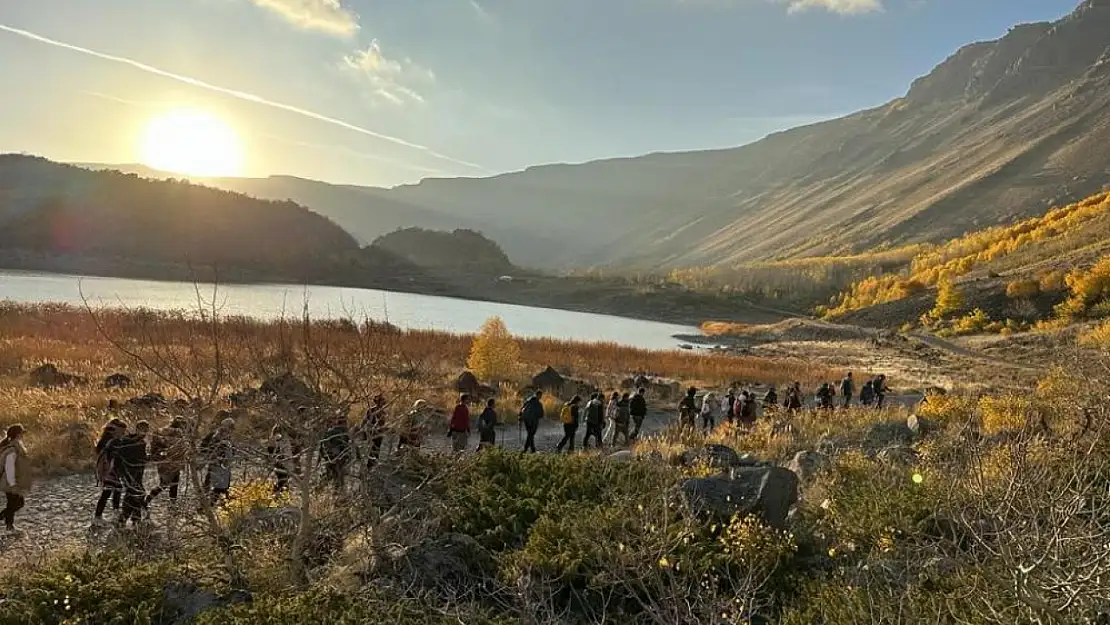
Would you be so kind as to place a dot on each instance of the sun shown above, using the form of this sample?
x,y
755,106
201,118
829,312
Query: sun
x,y
192,142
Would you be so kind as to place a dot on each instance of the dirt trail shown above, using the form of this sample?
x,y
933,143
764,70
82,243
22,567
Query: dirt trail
x,y
59,511
939,343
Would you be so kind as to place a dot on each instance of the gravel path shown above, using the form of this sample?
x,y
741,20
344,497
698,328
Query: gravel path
x,y
58,515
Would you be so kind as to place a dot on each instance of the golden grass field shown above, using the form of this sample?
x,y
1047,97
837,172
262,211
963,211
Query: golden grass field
x,y
181,351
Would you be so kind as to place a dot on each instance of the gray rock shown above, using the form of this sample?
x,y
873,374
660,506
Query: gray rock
x,y
48,376
183,602
920,426
806,464
716,456
621,456
768,492
451,563
117,380
887,433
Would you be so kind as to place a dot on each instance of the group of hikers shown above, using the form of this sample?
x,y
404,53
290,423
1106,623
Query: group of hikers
x,y
124,452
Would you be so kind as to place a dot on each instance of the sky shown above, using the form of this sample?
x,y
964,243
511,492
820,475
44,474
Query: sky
x,y
384,92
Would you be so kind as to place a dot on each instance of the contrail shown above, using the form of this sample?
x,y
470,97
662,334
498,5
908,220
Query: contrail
x,y
234,93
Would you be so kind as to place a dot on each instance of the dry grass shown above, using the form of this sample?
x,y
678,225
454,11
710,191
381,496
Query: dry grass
x,y
62,422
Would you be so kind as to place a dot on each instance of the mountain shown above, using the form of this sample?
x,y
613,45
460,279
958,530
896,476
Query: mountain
x,y
997,132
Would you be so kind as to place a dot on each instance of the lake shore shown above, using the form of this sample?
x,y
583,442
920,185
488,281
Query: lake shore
x,y
661,303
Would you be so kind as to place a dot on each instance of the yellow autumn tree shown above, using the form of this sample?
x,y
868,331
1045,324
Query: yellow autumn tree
x,y
949,299
495,353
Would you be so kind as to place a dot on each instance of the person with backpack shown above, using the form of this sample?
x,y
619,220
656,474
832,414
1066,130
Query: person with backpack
x,y
709,409
688,408
280,452
16,471
623,419
372,430
487,425
335,452
459,427
881,390
612,409
730,408
106,468
131,456
847,390
825,396
770,400
412,426
637,409
569,415
531,414
595,421
747,407
867,393
793,401
170,452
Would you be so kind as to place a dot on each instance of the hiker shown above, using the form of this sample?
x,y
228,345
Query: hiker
x,y
16,470
280,452
531,414
825,396
372,430
847,390
612,409
569,415
880,390
595,420
624,416
793,401
335,451
867,393
170,452
217,450
709,409
770,400
412,426
747,409
131,458
688,408
106,470
637,409
487,425
459,428
730,408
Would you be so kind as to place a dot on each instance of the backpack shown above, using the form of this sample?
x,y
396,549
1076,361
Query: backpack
x,y
566,414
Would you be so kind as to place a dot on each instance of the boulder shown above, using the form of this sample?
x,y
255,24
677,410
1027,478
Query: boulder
x,y
183,602
548,380
451,563
287,387
920,426
806,464
117,380
149,401
768,492
48,376
664,389
887,433
715,456
467,382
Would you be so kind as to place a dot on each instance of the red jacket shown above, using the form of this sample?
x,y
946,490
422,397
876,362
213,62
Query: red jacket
x,y
460,419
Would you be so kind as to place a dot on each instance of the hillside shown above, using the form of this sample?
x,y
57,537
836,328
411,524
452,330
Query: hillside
x,y
463,251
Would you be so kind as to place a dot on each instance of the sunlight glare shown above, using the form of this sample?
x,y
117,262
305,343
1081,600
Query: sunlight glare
x,y
192,142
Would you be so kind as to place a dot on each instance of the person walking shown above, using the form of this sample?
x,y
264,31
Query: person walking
x,y
793,401
624,417
770,400
729,406
131,454
280,452
531,414
218,454
569,415
688,408
459,427
637,409
169,451
825,394
847,390
710,407
595,420
16,470
867,393
412,426
335,452
747,407
612,409
372,430
106,470
487,425
881,390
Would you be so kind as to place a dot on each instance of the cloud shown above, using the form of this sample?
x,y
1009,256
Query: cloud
x,y
326,16
240,95
845,7
392,80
